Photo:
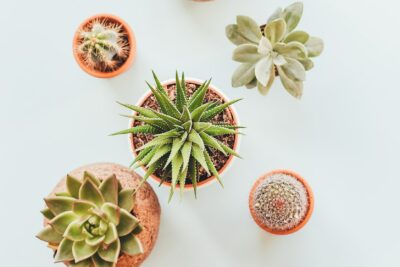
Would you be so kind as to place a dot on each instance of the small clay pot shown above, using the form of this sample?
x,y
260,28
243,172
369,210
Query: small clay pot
x,y
310,202
131,41
211,179
147,208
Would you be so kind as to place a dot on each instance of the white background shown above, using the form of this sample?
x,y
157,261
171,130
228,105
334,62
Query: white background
x,y
343,136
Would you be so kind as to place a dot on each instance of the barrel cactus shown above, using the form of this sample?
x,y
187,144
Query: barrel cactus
x,y
275,48
103,45
91,224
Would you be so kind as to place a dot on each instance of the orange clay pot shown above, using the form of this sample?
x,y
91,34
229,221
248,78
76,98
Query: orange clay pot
x,y
131,40
310,202
147,208
210,179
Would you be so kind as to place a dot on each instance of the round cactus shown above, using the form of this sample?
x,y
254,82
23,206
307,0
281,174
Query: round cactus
x,y
280,202
92,223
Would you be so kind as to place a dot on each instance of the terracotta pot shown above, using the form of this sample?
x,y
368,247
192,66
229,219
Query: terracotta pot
x,y
147,208
310,202
131,40
228,163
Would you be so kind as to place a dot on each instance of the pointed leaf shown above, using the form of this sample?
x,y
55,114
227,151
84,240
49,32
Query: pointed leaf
x,y
85,263
215,130
180,94
158,141
109,189
90,176
197,99
192,173
144,129
73,186
211,166
112,211
186,151
158,84
82,207
111,234
275,30
198,112
90,192
111,253
99,262
212,142
176,146
218,109
143,111
195,138
74,231
94,241
47,213
48,234
62,220
127,223
64,251
177,162
198,154
59,205
82,251
131,245
126,199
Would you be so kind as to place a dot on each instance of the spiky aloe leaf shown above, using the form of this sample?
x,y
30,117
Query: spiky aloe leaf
x,y
144,129
213,112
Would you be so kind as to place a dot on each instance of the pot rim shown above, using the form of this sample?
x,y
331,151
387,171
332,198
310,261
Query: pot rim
x,y
131,40
228,163
310,202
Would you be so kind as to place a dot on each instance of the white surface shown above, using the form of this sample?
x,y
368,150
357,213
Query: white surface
x,y
343,136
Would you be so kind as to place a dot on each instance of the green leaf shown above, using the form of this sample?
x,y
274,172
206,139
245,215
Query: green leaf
x,y
201,126
48,234
211,166
158,141
156,123
166,105
198,112
294,70
229,150
246,53
73,186
127,223
198,97
214,130
158,84
59,205
143,111
91,177
109,189
314,46
298,36
111,234
82,207
112,211
85,263
126,199
295,50
62,220
192,173
64,251
294,88
131,245
243,75
177,162
198,154
180,94
275,30
47,213
233,34
82,251
307,63
99,262
74,231
213,112
292,15
144,129
195,138
212,142
249,28
137,230
186,150
176,146
90,192
111,253
95,240
142,155
171,121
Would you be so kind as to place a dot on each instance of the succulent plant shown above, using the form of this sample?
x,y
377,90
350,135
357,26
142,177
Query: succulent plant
x,y
273,49
103,45
184,133
281,202
91,224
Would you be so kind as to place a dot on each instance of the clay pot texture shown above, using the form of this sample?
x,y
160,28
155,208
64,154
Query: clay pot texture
x,y
131,40
228,163
310,202
147,208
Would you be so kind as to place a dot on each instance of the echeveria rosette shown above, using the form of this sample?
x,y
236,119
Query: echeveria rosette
x,y
91,224
273,49
184,134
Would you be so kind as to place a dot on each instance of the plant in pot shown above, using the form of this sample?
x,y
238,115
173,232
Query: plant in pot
x,y
104,46
273,49
281,202
102,219
184,133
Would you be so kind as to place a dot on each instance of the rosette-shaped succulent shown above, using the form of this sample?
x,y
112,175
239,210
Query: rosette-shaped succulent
x,y
92,223
273,49
103,45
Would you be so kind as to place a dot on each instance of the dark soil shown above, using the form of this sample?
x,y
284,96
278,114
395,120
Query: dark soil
x,y
225,117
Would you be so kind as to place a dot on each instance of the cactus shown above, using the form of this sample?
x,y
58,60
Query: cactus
x,y
184,133
281,202
273,49
103,45
91,224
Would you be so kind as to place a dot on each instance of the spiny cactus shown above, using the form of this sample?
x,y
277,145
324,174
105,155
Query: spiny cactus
x,y
281,202
273,49
103,45
183,134
92,223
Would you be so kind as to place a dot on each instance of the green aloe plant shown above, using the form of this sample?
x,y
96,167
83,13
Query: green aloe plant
x,y
103,45
184,134
275,48
91,224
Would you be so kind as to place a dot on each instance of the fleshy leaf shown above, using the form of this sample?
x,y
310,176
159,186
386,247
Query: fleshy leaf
x,y
292,87
94,241
64,251
131,245
59,205
47,213
126,199
48,234
90,192
294,50
246,53
314,46
99,262
73,186
62,220
294,70
243,75
275,30
263,69
233,34
112,211
298,36
90,176
82,207
249,28
127,223
109,189
85,263
111,253
292,15
276,15
82,251
111,234
74,231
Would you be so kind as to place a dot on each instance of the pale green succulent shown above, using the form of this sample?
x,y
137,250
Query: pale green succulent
x,y
273,49
102,45
184,134
92,223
